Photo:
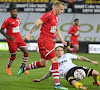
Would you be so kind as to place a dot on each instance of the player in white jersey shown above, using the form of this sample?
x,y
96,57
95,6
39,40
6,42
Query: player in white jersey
x,y
67,69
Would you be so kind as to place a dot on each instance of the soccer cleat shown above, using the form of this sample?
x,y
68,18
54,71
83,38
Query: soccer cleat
x,y
82,87
21,70
26,72
94,83
67,49
8,71
60,87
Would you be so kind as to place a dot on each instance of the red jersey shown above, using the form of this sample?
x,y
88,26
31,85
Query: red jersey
x,y
48,28
74,28
12,26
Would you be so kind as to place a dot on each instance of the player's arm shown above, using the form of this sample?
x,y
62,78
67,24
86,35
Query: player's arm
x,y
88,60
71,31
43,78
10,38
33,28
60,37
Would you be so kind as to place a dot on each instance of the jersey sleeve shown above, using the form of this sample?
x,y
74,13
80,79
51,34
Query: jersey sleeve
x,y
71,30
5,24
71,56
46,17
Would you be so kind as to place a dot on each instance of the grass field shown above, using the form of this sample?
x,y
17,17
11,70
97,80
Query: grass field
x,y
24,82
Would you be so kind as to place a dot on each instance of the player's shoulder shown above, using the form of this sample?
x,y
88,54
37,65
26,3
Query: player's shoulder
x,y
70,55
7,19
17,18
73,26
48,14
67,54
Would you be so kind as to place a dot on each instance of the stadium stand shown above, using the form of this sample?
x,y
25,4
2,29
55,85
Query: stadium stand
x,y
28,1
92,1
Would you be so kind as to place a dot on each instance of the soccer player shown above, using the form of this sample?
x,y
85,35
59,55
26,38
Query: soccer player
x,y
74,31
46,43
14,39
67,68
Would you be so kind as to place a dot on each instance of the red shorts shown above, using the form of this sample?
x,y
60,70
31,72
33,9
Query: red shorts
x,y
18,43
46,48
74,42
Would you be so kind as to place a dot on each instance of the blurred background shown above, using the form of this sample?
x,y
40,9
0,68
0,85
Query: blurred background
x,y
29,11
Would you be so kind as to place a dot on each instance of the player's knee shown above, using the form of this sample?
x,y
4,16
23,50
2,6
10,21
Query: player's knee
x,y
76,48
27,52
96,73
13,55
73,82
43,65
54,60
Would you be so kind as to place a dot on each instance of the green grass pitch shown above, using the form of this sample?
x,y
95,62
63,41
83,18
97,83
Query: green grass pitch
x,y
24,82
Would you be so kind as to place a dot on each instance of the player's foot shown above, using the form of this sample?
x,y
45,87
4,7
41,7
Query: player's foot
x,y
60,87
67,49
26,72
94,83
83,87
21,70
8,71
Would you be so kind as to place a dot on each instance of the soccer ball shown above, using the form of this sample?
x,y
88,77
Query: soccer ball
x,y
79,74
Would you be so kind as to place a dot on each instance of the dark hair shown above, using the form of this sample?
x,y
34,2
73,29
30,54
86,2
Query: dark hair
x,y
12,9
58,47
76,20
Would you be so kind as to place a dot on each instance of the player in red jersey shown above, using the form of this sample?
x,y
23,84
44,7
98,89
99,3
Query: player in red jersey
x,y
74,31
46,43
14,39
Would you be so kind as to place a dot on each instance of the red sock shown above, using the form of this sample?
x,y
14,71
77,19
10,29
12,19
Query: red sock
x,y
74,51
33,65
55,73
25,59
10,61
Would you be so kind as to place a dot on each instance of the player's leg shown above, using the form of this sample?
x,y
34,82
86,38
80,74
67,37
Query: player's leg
x,y
33,65
10,61
25,56
95,75
55,71
12,51
71,80
22,46
76,48
77,84
68,49
37,64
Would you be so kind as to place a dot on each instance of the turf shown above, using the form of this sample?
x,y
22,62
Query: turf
x,y
24,82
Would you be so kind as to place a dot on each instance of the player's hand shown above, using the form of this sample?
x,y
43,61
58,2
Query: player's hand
x,y
11,38
64,43
95,62
27,37
74,32
36,80
78,35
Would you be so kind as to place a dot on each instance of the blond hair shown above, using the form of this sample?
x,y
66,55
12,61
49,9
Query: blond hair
x,y
58,3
